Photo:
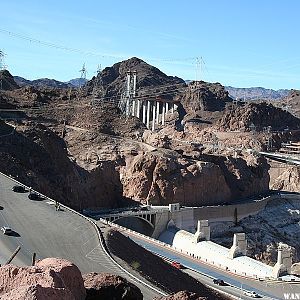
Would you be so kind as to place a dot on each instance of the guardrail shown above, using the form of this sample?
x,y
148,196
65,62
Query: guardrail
x,y
99,234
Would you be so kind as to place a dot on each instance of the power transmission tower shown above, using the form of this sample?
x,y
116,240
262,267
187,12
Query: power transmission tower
x,y
83,72
198,68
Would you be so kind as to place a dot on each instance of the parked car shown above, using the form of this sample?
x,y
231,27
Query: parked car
x,y
34,196
251,294
177,265
18,189
219,281
6,230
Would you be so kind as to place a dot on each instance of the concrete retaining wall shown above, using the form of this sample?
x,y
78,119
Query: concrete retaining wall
x,y
227,213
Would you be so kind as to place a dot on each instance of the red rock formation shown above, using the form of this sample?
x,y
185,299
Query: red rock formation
x,y
51,279
161,180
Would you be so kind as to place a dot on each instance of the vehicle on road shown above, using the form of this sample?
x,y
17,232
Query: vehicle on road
x,y
19,189
6,230
177,265
219,281
251,294
34,196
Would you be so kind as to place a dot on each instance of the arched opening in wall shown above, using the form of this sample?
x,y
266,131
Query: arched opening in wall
x,y
137,224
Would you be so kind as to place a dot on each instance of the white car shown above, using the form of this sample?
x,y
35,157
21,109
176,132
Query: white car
x,y
251,294
6,230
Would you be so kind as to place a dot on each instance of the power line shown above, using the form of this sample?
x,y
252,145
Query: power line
x,y
89,53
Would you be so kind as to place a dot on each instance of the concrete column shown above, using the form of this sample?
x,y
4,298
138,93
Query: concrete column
x,y
163,114
172,108
133,108
167,107
127,107
157,112
144,111
128,84
153,115
148,114
138,108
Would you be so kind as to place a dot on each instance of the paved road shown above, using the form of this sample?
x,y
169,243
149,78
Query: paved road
x,y
271,289
52,233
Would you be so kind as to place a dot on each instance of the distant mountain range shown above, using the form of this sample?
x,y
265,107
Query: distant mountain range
x,y
256,93
253,93
50,82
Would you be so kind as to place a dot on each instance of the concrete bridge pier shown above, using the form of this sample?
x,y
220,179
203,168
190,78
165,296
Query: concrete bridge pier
x,y
153,116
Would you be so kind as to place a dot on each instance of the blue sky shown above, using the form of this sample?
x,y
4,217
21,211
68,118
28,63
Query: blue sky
x,y
242,43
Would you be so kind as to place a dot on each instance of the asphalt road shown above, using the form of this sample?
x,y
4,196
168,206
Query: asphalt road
x,y
40,228
269,290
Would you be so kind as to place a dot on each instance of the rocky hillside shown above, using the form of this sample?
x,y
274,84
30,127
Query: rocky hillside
x,y
256,93
277,223
289,180
55,278
85,144
169,278
110,83
292,102
257,116
7,81
201,96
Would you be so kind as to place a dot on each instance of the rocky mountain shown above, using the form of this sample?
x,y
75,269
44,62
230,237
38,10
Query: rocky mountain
x,y
52,83
292,102
76,82
7,82
42,82
110,83
256,93
256,116
201,96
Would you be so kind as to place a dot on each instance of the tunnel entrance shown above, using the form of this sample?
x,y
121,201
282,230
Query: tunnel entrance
x,y
137,224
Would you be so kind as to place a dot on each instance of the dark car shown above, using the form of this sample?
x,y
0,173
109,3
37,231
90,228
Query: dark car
x,y
219,282
34,196
18,189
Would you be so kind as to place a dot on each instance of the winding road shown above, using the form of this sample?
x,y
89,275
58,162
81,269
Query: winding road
x,y
40,228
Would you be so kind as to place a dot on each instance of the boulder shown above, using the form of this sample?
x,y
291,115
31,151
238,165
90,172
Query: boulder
x,y
68,272
51,279
108,286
